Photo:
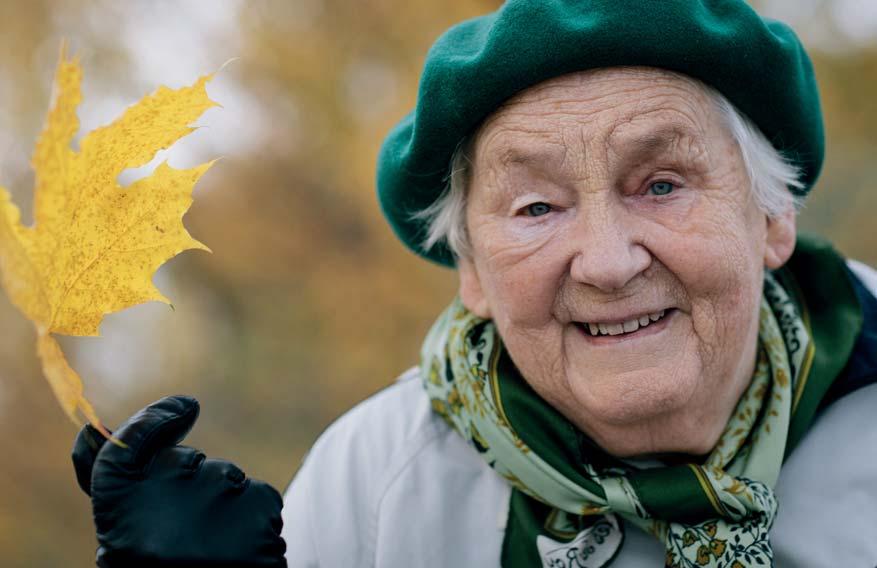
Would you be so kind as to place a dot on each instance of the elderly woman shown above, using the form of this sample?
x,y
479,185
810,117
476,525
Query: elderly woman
x,y
645,364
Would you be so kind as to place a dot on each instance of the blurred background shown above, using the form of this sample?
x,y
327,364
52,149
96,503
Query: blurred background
x,y
308,304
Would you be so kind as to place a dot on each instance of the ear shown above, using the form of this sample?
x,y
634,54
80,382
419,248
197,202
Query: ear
x,y
780,239
471,291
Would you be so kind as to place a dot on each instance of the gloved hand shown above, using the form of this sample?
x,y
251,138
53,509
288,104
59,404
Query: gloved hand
x,y
160,505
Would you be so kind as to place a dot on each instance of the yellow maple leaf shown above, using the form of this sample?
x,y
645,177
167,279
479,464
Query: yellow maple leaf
x,y
94,245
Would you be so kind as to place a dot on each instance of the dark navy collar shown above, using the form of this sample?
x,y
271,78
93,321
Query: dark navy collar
x,y
861,369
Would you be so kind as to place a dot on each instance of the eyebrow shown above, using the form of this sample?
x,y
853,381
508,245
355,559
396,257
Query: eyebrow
x,y
514,154
637,147
656,141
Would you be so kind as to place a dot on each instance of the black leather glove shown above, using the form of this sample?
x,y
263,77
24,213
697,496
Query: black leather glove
x,y
160,505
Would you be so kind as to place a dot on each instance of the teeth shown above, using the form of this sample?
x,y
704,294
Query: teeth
x,y
657,316
625,327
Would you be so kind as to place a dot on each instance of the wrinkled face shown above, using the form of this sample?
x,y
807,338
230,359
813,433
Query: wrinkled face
x,y
617,247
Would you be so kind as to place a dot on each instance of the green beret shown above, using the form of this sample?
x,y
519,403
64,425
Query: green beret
x,y
756,63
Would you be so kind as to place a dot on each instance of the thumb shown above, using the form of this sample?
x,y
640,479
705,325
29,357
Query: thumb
x,y
85,449
161,424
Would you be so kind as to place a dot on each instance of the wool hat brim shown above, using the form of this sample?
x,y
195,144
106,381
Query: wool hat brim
x,y
756,63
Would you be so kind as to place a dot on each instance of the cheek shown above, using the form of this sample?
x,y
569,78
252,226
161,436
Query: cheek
x,y
522,292
520,300
522,289
721,273
717,249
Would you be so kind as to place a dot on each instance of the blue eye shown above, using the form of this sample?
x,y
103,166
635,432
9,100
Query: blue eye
x,y
661,188
538,209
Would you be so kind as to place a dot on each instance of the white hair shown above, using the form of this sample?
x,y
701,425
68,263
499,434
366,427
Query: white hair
x,y
773,180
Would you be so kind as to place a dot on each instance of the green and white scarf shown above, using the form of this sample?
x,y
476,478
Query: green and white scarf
x,y
568,494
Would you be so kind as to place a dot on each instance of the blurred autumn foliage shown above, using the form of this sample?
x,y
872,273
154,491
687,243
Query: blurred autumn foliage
x,y
308,303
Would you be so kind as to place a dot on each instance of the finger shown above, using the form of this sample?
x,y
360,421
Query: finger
x,y
223,471
161,424
85,448
271,494
176,460
271,512
265,499
270,502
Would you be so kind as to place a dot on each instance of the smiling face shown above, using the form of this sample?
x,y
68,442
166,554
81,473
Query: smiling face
x,y
617,247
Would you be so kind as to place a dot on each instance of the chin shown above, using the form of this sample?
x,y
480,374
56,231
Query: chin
x,y
696,446
645,412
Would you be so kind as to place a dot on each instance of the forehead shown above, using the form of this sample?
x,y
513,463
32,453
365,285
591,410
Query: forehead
x,y
620,109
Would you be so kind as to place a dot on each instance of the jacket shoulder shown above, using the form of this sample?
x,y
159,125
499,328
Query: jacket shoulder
x,y
826,490
383,429
391,484
866,275
332,503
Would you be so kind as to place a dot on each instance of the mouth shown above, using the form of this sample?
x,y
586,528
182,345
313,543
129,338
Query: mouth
x,y
642,325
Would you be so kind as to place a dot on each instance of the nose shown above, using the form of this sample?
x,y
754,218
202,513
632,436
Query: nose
x,y
608,254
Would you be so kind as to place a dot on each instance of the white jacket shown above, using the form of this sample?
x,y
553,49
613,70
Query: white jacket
x,y
391,485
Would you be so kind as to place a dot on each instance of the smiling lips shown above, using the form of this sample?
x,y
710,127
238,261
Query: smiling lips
x,y
629,326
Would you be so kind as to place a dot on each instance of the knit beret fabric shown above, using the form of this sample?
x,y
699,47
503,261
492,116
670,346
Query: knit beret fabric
x,y
756,63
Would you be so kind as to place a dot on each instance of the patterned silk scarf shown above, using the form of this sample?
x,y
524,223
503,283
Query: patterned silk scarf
x,y
568,494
